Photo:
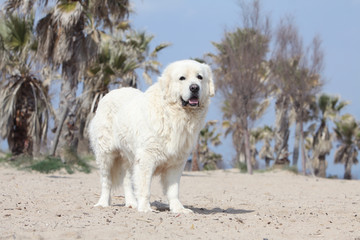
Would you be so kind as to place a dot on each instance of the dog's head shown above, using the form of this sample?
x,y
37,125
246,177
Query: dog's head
x,y
188,83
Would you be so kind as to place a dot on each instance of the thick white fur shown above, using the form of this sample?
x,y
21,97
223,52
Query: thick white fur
x,y
136,135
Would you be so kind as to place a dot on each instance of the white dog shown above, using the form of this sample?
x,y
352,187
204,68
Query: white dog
x,y
136,135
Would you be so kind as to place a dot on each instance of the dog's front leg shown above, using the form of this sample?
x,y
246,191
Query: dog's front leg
x,y
130,199
171,182
143,171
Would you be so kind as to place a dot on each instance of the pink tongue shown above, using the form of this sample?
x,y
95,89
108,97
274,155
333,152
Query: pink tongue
x,y
193,101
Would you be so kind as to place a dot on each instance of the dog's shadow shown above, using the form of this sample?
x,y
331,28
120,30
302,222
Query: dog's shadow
x,y
162,207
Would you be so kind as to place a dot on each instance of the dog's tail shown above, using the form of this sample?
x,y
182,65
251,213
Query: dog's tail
x,y
116,171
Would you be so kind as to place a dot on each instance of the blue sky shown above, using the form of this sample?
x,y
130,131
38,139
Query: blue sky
x,y
191,26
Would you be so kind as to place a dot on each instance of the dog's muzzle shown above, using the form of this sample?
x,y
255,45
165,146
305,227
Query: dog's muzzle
x,y
194,98
193,102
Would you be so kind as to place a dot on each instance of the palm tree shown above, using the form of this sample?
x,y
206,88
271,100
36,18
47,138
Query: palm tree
x,y
255,137
266,152
68,38
330,108
139,44
208,135
296,73
234,127
243,91
347,132
24,103
241,70
282,131
64,44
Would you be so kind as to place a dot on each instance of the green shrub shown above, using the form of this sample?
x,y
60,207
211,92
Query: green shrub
x,y
48,164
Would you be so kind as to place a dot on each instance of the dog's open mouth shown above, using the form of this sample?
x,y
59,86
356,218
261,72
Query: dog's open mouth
x,y
193,102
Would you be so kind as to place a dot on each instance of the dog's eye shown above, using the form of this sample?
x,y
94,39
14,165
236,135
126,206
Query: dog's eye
x,y
199,77
182,78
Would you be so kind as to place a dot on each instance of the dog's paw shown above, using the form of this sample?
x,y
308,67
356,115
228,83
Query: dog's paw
x,y
177,207
145,208
102,204
187,211
182,210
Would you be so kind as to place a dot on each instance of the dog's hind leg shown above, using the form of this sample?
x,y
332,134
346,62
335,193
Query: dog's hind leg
x,y
105,162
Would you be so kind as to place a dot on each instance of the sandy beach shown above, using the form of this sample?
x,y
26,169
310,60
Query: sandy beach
x,y
227,205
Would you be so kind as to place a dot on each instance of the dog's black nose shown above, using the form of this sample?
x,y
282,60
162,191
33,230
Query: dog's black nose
x,y
194,88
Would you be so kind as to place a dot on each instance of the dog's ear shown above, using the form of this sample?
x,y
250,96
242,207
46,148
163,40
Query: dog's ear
x,y
164,81
211,81
165,78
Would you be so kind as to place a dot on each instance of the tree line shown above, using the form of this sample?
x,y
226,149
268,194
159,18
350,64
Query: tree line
x,y
88,43
92,44
254,64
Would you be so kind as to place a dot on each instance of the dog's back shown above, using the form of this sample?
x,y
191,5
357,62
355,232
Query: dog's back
x,y
101,129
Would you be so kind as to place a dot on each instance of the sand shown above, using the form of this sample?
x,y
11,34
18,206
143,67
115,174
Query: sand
x,y
226,204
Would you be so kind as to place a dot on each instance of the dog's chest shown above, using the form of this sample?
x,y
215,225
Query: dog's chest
x,y
175,130
181,137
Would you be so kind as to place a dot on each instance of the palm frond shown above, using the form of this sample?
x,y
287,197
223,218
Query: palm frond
x,y
26,95
340,154
353,156
260,109
110,13
24,6
68,14
158,48
8,106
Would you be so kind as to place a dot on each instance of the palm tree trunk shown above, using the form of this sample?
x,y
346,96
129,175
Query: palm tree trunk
x,y
322,166
247,151
84,147
303,154
304,158
58,131
282,131
298,132
267,162
348,166
195,156
67,138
